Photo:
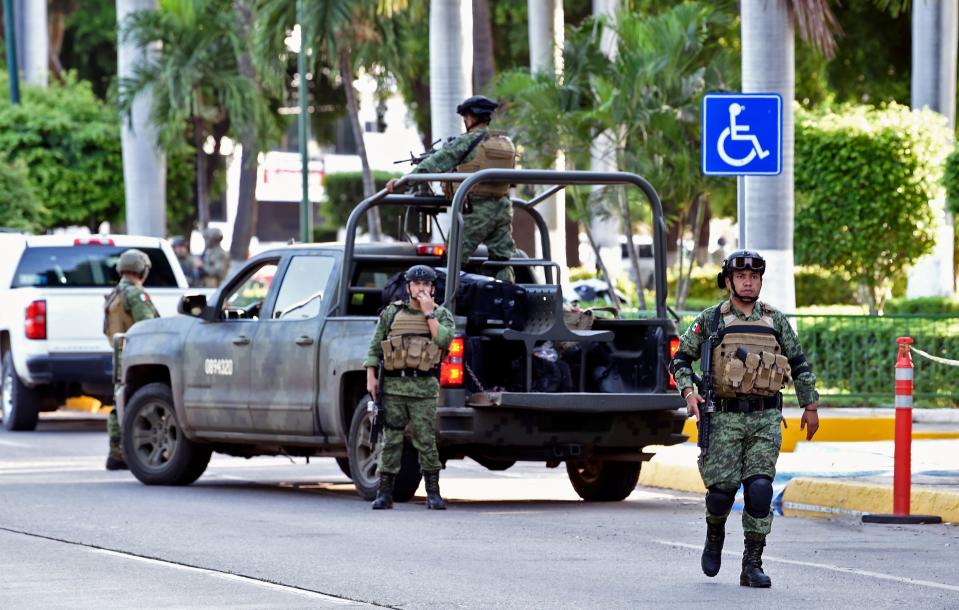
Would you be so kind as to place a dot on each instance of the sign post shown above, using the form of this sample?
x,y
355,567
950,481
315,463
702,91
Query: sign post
x,y
742,136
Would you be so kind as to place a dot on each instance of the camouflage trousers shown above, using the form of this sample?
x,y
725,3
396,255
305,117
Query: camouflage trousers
x,y
742,445
420,415
113,433
490,222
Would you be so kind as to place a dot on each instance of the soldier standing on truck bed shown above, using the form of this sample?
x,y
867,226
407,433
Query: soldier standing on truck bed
x,y
487,212
754,353
125,306
411,338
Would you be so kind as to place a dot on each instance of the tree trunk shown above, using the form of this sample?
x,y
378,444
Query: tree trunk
x,y
451,64
631,246
602,267
768,66
202,188
369,187
934,44
484,66
36,56
247,208
144,164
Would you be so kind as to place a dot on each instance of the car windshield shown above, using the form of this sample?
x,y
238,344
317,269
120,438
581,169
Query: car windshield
x,y
84,266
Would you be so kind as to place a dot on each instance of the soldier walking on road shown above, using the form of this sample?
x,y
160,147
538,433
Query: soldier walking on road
x,y
411,338
215,262
125,306
754,353
488,212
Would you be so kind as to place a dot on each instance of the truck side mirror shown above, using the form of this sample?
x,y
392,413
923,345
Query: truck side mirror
x,y
192,305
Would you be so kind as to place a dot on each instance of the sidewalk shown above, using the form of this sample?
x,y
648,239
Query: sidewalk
x,y
848,469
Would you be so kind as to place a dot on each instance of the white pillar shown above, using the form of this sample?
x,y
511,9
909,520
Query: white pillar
x,y
546,55
934,46
36,44
144,164
451,64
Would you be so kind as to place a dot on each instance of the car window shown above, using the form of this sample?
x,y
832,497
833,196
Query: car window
x,y
85,266
244,301
303,287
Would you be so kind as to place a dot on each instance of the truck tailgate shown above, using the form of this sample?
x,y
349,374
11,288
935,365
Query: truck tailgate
x,y
588,402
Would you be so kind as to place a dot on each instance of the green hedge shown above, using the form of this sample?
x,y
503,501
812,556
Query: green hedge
x,y
923,305
19,207
950,180
814,286
344,190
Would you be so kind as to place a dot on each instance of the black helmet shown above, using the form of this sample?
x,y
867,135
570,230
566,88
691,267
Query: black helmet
x,y
738,260
178,241
479,106
420,272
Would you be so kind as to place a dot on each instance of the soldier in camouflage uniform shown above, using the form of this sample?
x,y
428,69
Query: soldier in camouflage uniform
x,y
215,262
754,356
488,213
125,306
411,338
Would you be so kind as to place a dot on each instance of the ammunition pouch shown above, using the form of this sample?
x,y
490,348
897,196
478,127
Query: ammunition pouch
x,y
116,318
761,374
410,352
494,150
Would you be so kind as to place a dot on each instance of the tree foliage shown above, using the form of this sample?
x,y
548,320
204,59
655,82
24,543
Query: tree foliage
x,y
865,177
19,206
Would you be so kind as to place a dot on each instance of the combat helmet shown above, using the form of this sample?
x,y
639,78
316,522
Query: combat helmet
x,y
421,273
133,261
212,235
479,106
738,260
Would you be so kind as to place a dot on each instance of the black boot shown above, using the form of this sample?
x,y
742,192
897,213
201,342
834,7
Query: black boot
x,y
114,463
433,498
384,496
713,551
753,575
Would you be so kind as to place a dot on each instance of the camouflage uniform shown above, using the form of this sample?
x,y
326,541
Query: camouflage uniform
x,y
137,303
409,400
216,263
744,445
490,219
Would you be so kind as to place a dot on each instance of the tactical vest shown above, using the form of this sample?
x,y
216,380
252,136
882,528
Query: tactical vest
x,y
747,359
116,318
408,343
494,150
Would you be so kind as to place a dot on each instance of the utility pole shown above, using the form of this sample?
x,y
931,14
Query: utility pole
x,y
306,210
10,36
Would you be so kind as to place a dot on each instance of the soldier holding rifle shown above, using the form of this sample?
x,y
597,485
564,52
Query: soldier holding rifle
x,y
754,353
410,340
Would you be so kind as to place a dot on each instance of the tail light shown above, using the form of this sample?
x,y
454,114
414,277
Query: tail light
x,y
93,241
451,369
35,320
673,348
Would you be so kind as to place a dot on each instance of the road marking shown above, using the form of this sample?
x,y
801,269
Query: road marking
x,y
13,444
830,567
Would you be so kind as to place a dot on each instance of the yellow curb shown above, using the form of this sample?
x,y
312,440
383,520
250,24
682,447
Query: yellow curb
x,y
83,403
847,496
671,476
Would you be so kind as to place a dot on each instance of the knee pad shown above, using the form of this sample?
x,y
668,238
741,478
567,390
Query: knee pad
x,y
719,500
758,495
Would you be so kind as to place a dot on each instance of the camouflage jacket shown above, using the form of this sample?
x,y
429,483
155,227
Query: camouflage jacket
x,y
424,387
216,263
137,302
698,333
452,154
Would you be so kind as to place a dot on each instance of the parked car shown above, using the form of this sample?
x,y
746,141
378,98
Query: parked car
x,y
51,324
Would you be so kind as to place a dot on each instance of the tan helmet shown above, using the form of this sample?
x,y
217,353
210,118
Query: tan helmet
x,y
212,235
133,261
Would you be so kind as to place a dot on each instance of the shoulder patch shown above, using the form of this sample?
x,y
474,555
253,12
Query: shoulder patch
x,y
144,297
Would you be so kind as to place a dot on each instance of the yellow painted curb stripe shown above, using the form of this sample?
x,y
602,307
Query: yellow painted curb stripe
x,y
83,403
839,429
847,496
671,476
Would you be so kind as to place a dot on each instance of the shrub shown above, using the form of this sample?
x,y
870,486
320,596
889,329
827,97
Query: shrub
x,y
345,189
865,177
19,208
950,180
923,305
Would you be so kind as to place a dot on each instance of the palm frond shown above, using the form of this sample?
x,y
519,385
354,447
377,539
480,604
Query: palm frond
x,y
816,24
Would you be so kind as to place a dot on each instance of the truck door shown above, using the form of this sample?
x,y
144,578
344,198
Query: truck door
x,y
285,373
217,354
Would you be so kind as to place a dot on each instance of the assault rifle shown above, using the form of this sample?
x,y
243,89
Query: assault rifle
x,y
707,389
417,159
376,410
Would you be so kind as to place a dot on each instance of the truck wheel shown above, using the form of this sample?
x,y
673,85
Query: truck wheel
x,y
344,464
597,481
364,459
154,446
21,404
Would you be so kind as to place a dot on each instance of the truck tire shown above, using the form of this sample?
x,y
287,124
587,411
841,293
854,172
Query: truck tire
x,y
597,481
21,404
154,446
344,464
364,459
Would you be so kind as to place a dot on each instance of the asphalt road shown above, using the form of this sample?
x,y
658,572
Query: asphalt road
x,y
266,533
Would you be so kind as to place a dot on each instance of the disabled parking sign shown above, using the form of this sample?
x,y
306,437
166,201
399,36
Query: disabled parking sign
x,y
742,134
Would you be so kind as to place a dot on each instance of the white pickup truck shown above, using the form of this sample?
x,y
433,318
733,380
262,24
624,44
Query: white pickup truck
x,y
52,290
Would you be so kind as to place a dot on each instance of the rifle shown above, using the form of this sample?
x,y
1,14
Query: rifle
x,y
376,409
707,389
417,159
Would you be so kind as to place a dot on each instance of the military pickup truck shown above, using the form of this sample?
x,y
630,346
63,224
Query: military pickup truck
x,y
271,364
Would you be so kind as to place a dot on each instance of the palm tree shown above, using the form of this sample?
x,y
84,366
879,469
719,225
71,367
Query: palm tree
x,y
195,77
768,66
934,43
144,163
451,64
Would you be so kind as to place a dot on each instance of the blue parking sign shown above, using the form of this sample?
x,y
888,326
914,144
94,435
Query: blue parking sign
x,y
742,134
